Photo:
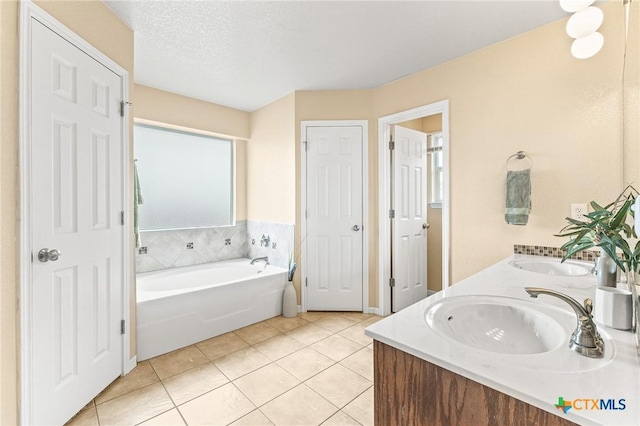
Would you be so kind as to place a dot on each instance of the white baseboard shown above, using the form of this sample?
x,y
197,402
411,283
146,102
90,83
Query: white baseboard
x,y
372,310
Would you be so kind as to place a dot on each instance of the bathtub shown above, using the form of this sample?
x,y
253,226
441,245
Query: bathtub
x,y
181,306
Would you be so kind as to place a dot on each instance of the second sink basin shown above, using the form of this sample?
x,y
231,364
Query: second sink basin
x,y
552,266
495,324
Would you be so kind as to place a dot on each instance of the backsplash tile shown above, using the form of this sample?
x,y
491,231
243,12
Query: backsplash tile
x,y
280,245
587,255
185,247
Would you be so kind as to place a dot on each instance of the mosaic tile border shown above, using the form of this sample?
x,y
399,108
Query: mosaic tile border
x,y
587,255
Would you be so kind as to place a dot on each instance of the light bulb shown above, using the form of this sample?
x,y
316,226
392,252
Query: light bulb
x,y
575,5
586,47
585,22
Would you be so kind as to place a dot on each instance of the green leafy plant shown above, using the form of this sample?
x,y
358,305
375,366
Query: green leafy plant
x,y
608,228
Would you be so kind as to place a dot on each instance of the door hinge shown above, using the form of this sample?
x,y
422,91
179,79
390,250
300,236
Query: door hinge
x,y
306,145
392,144
392,282
122,217
122,326
122,105
392,214
306,282
306,214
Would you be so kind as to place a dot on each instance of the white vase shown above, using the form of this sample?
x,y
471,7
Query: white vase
x,y
289,301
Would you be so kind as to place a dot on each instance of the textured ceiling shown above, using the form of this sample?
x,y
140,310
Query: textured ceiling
x,y
246,54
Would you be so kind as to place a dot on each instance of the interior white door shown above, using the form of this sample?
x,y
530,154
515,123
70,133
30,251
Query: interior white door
x,y
334,240
76,187
408,228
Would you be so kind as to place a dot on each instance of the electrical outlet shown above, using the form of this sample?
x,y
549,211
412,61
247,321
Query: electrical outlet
x,y
578,210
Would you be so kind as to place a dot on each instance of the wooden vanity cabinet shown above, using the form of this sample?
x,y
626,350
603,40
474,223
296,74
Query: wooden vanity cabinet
x,y
409,391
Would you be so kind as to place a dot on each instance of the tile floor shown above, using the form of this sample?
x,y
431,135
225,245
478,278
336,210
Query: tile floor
x,y
316,368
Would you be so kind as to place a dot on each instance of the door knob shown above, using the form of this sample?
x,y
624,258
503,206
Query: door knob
x,y
355,227
46,255
425,226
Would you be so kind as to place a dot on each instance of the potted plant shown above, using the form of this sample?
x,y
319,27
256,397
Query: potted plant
x,y
607,228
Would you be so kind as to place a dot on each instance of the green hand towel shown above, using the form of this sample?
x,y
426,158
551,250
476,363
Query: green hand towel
x,y
518,197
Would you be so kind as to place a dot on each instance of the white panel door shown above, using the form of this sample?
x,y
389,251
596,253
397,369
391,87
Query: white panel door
x,y
76,178
409,234
334,240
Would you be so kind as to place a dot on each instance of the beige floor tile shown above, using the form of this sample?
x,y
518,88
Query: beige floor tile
x,y
341,419
193,383
86,417
336,347
254,418
219,407
372,320
309,334
339,385
170,418
136,406
335,323
357,316
222,345
241,362
356,333
313,316
138,378
360,362
305,363
255,333
299,406
361,408
278,347
266,383
287,324
175,362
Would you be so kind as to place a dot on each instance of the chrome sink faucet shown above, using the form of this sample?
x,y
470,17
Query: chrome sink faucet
x,y
585,340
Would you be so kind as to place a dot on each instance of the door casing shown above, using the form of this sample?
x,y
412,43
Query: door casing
x,y
365,200
29,11
384,197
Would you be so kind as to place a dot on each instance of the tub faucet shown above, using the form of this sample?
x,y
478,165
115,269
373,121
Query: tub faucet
x,y
261,259
585,340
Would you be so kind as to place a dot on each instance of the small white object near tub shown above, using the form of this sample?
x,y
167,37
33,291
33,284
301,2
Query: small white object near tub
x,y
182,306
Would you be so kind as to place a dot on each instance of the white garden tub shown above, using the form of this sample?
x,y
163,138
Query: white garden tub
x,y
181,306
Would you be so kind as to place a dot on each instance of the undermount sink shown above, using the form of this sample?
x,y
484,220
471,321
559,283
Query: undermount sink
x,y
552,266
495,324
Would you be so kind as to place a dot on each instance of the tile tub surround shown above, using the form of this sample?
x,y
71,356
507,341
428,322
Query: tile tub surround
x,y
280,234
537,380
168,249
282,371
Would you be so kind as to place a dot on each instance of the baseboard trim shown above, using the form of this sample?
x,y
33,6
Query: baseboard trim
x,y
372,310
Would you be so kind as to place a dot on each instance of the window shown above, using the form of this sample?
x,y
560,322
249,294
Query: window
x,y
434,150
186,179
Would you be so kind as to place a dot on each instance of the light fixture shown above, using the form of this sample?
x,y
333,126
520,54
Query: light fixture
x,y
586,47
575,5
584,22
583,25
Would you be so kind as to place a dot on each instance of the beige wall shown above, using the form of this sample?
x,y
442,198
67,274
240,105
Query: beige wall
x,y
527,93
271,170
8,212
94,22
155,106
170,108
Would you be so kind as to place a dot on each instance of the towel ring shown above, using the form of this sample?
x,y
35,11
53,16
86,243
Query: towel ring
x,y
520,155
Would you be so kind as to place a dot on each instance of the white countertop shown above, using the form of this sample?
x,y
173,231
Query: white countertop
x,y
538,379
